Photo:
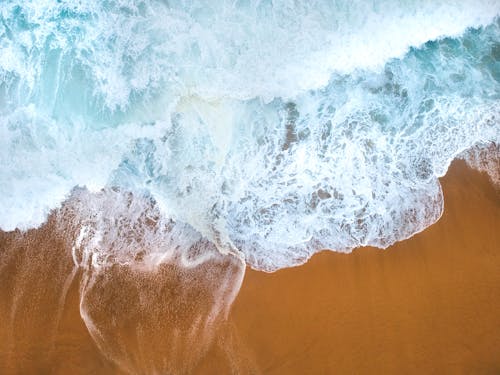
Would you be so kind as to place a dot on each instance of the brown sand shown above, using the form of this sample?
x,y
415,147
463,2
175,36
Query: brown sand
x,y
427,305
430,304
59,319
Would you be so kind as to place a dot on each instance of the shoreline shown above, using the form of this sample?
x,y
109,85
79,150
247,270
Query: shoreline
x,y
423,305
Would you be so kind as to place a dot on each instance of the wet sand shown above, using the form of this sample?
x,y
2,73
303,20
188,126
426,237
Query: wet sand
x,y
426,305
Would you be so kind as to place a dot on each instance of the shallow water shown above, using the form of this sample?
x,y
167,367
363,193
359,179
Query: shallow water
x,y
61,317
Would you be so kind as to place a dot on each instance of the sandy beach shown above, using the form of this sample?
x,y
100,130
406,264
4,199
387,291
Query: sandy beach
x,y
425,305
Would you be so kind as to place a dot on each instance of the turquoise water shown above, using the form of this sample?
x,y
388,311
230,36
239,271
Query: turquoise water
x,y
270,129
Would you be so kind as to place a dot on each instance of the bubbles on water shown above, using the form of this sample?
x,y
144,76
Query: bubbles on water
x,y
485,157
113,227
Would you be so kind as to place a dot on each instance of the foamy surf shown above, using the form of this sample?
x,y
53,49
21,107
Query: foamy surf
x,y
143,286
270,130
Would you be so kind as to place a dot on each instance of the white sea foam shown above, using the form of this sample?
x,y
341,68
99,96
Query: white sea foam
x,y
485,157
237,49
271,128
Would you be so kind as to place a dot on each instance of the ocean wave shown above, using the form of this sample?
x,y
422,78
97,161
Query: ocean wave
x,y
272,130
